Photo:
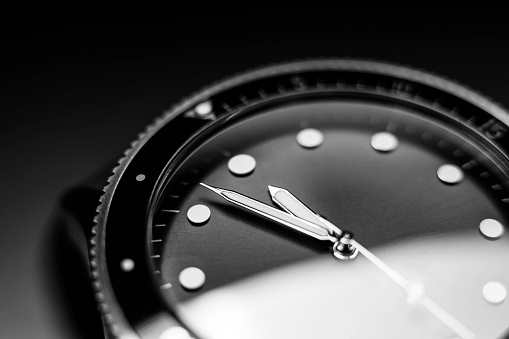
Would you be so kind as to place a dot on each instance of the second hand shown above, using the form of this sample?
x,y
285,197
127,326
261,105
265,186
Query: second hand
x,y
415,294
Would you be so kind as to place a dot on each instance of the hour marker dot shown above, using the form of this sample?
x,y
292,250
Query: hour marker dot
x,y
242,164
310,138
166,286
384,142
494,292
175,332
491,229
450,174
204,108
192,278
198,214
127,265
140,177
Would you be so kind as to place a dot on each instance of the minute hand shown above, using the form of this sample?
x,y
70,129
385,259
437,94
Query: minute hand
x,y
274,214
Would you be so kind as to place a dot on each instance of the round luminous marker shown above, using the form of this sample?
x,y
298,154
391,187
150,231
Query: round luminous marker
x,y
192,278
198,214
450,174
166,286
242,164
127,265
494,292
176,332
384,142
310,138
140,177
491,229
204,108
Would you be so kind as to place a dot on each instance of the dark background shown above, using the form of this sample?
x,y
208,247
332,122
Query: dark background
x,y
74,94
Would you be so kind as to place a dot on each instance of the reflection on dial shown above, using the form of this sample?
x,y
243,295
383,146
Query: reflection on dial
x,y
282,303
375,173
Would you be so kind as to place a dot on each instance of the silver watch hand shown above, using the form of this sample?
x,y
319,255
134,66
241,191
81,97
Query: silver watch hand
x,y
292,205
272,213
415,292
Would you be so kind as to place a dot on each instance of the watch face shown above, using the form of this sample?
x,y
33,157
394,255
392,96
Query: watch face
x,y
326,198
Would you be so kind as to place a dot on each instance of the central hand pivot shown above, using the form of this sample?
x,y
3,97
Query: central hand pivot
x,y
343,248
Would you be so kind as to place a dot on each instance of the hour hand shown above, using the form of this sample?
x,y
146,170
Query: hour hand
x,y
294,206
281,217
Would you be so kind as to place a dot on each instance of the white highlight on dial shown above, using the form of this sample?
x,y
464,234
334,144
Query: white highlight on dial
x,y
204,108
176,332
127,265
384,142
310,138
198,214
192,278
494,292
491,229
450,174
140,177
242,164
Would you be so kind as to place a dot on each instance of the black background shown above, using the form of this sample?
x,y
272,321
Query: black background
x,y
75,93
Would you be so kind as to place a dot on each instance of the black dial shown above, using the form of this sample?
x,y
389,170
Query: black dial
x,y
414,166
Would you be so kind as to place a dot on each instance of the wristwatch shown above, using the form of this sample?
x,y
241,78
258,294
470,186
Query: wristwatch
x,y
324,198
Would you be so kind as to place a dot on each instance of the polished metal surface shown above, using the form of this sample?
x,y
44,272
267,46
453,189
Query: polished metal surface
x,y
272,213
292,205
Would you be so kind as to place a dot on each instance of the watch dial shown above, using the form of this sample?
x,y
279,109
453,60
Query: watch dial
x,y
413,167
